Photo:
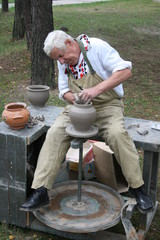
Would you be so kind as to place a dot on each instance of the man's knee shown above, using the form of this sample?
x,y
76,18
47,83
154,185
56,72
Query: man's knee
x,y
115,133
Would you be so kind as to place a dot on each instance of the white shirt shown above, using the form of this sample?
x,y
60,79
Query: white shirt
x,y
104,59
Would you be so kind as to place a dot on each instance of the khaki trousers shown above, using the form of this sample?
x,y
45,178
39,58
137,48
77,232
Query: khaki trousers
x,y
110,122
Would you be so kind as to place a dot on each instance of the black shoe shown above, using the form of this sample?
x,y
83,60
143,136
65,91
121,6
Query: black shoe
x,y
144,203
38,198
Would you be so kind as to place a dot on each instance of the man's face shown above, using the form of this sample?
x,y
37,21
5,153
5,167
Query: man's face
x,y
70,55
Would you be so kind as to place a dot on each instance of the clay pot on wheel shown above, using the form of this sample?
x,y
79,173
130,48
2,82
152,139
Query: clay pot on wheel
x,y
82,116
16,115
38,95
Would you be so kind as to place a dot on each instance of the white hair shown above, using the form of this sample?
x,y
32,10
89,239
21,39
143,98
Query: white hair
x,y
56,39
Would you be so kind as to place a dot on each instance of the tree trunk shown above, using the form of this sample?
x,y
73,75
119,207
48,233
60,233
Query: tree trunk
x,y
42,69
4,5
18,26
28,22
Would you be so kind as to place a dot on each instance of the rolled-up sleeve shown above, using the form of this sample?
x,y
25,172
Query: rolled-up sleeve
x,y
122,65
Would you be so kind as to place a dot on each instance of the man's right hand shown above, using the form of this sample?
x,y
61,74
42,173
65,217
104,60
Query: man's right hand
x,y
69,97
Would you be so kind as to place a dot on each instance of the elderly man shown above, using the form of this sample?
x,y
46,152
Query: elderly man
x,y
91,68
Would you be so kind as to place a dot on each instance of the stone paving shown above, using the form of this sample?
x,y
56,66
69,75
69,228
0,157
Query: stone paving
x,y
64,2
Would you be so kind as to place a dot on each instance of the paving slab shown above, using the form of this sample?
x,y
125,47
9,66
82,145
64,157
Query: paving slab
x,y
64,2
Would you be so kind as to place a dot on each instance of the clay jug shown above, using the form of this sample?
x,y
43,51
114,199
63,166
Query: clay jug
x,y
38,95
16,115
82,116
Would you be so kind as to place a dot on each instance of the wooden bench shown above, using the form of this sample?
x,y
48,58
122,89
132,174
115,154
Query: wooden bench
x,y
16,146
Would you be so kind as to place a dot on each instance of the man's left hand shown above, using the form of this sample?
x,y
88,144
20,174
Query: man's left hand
x,y
88,94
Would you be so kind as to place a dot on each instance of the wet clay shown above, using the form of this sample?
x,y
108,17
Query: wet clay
x,y
82,117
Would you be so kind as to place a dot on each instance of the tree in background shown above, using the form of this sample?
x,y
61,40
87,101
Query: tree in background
x,y
42,69
18,26
35,19
4,5
22,21
28,22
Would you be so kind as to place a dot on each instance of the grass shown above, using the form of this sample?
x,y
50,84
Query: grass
x,y
132,27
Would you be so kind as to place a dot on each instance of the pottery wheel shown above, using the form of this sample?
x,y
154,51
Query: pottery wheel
x,y
99,209
70,130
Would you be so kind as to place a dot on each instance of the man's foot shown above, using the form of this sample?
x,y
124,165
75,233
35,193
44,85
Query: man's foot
x,y
38,198
144,203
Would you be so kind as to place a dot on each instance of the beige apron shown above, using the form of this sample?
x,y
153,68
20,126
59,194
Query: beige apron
x,y
90,80
110,122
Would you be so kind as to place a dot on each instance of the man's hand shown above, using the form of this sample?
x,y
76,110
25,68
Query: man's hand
x,y
114,80
69,97
88,94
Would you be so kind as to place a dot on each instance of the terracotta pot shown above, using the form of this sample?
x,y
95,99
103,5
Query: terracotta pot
x,y
82,116
16,115
38,94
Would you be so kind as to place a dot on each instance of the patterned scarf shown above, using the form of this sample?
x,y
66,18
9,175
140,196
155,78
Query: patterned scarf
x,y
81,69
